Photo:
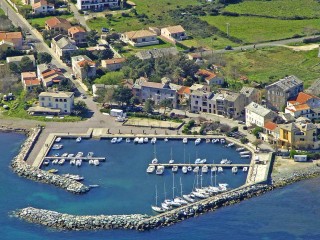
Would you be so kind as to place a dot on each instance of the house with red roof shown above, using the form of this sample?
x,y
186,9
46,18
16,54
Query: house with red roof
x,y
29,80
57,24
211,78
42,7
12,37
83,67
77,34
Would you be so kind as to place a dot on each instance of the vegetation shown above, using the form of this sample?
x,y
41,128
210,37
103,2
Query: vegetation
x,y
111,78
256,131
188,126
43,57
25,65
41,21
148,106
122,95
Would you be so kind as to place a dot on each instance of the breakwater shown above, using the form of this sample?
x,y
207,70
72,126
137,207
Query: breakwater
x,y
20,167
143,222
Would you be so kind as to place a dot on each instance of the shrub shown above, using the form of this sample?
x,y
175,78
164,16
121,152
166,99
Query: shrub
x,y
244,140
234,129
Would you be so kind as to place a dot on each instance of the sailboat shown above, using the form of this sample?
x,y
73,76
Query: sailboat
x,y
180,199
189,167
155,207
167,202
184,168
171,161
154,160
174,203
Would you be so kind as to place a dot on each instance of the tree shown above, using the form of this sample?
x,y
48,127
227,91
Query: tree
x,y
80,108
257,142
256,131
165,103
122,95
14,68
44,57
92,38
111,78
26,65
134,100
148,106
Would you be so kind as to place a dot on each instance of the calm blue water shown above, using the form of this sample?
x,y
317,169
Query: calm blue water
x,y
289,213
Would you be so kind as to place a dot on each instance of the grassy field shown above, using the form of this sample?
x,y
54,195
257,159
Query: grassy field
x,y
270,64
256,29
217,43
41,21
278,8
2,13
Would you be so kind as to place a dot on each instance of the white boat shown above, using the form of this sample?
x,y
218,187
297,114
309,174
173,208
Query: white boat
x,y
171,161
119,140
58,139
239,149
56,154
230,144
196,169
160,170
204,169
72,161
64,155
140,141
57,146
200,195
55,161
78,139
208,140
166,139
220,169
46,162
189,168
96,162
222,141
214,169
185,140
165,206
154,160
215,140
234,169
114,140
93,185
184,169
244,153
153,140
145,140
245,169
79,154
73,177
61,161
155,207
180,200
225,161
53,170
128,140
90,154
175,169
202,161
245,156
91,162
223,186
78,162
70,155
197,161
151,169
188,198
197,141
136,140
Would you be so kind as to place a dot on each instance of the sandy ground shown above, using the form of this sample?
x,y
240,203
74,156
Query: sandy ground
x,y
303,48
141,122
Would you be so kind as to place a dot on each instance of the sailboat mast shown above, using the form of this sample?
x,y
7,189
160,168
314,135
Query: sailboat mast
x,y
201,180
172,185
184,155
180,186
164,187
156,196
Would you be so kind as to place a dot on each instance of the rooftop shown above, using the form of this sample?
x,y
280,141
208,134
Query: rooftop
x,y
208,75
270,126
302,98
10,35
184,90
258,109
286,83
152,84
52,22
41,3
56,94
32,82
139,34
18,58
28,75
157,52
76,29
175,29
113,61
247,90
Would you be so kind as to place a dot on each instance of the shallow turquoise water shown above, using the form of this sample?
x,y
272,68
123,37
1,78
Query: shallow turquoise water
x,y
289,213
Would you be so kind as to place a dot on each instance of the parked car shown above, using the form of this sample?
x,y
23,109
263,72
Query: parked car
x,y
228,47
105,30
85,12
83,96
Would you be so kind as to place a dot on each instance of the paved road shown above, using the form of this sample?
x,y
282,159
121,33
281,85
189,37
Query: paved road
x,y
78,16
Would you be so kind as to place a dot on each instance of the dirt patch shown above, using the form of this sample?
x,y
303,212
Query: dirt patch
x,y
303,48
284,167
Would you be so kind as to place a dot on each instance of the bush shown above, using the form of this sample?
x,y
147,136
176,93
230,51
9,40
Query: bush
x,y
244,140
80,11
234,129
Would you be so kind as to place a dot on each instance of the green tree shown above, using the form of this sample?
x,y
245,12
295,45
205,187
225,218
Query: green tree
x,y
92,38
80,108
165,103
134,100
256,131
122,95
148,106
14,68
44,57
111,78
26,65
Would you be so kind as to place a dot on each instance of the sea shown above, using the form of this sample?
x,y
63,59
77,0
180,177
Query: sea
x,y
288,213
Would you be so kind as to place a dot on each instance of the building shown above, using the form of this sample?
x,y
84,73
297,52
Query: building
x,y
144,90
77,34
183,94
42,7
156,53
96,5
139,38
14,37
280,92
199,101
49,76
199,87
54,103
113,64
57,25
304,105
83,67
174,33
29,80
209,77
252,94
62,45
18,59
270,133
5,46
257,115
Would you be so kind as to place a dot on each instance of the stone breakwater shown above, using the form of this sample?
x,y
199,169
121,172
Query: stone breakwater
x,y
20,167
144,222
73,222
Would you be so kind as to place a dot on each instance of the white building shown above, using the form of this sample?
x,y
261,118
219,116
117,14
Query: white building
x,y
139,38
96,4
258,115
62,101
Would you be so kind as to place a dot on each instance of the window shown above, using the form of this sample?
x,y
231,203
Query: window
x,y
65,100
56,99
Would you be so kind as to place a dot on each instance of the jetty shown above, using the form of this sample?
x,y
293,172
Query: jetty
x,y
168,165
82,158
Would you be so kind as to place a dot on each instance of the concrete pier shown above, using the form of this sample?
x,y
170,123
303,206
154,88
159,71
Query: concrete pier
x,y
167,165
82,158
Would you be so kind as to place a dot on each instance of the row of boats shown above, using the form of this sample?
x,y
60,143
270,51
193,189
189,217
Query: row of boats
x,y
58,139
75,159
185,169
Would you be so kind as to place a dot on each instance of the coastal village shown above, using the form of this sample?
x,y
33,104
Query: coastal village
x,y
64,76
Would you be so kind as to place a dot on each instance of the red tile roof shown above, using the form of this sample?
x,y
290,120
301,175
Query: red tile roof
x,y
152,84
184,90
76,29
28,75
206,74
301,107
114,61
52,22
83,62
303,98
10,35
270,126
32,82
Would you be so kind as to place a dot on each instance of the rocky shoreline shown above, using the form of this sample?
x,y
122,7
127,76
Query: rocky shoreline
x,y
143,222
20,167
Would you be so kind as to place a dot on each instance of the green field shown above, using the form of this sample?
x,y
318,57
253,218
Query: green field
x,y
215,42
270,64
278,8
256,29
41,21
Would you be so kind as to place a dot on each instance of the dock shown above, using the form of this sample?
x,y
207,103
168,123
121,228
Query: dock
x,y
167,165
82,158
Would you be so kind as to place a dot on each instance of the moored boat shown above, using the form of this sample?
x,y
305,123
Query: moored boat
x,y
214,169
140,141
78,162
153,140
225,161
245,156
128,140
64,155
46,162
196,169
58,139
175,169
239,149
185,140
184,169
61,161
136,140
230,144
234,170
79,155
119,140
72,161
151,169
96,162
208,140
166,139
220,169
90,154
57,146
197,141
114,140
245,169
55,161
53,170
188,198
204,169
160,170
146,140
78,139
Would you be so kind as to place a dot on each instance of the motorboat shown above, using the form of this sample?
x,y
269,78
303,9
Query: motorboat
x,y
188,198
91,162
202,161
197,141
180,200
200,194
172,203
245,169
223,186
94,185
57,146
189,168
234,170
225,161
244,153
72,161
154,161
165,206
46,162
73,177
158,209
208,140
114,140
166,140
140,141
151,169
239,149
78,139
64,155
214,169
90,154
222,141
55,161
160,170
56,154
215,140
171,161
96,162
197,161
119,140
184,169
53,170
153,140
136,140
128,140
70,155
78,162
204,169
230,144
79,154
245,156
185,140
145,140
61,161
220,169
58,139
175,169
196,169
